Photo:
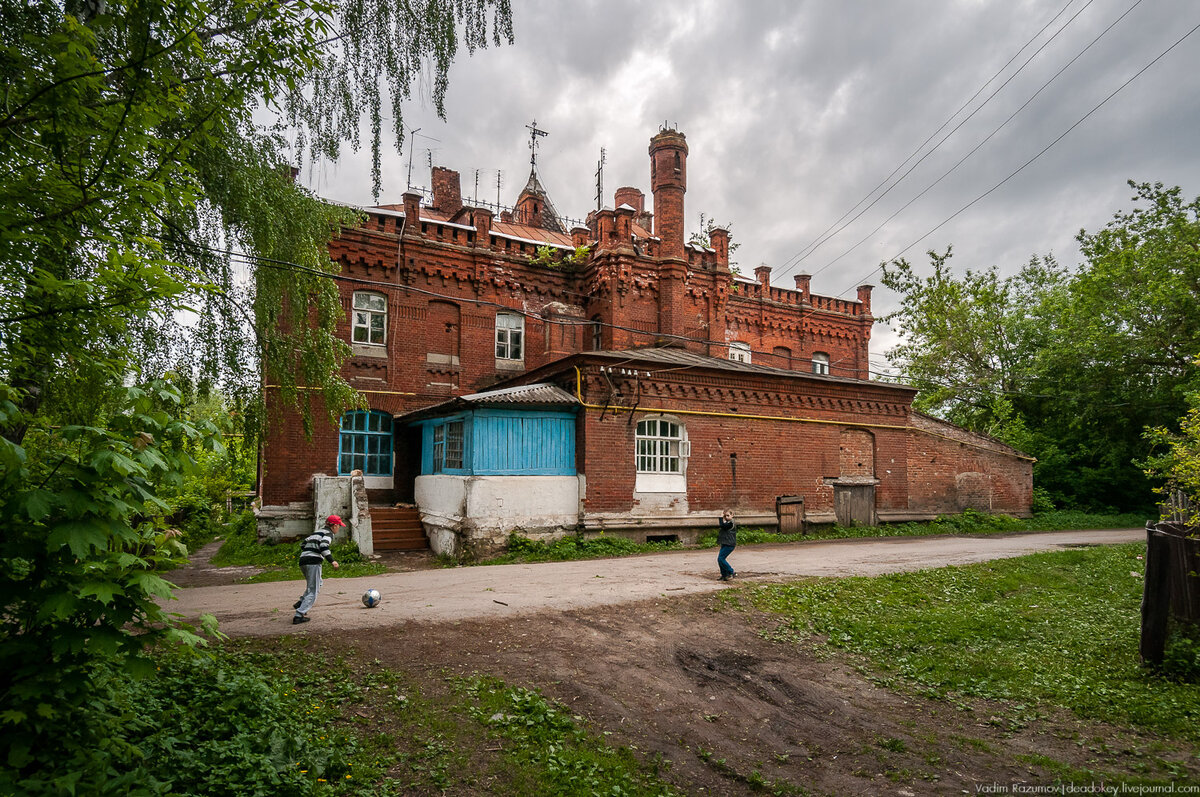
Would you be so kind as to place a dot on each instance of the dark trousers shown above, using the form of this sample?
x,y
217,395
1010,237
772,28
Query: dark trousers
x,y
726,570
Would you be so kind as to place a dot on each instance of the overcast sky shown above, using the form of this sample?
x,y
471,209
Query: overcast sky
x,y
796,111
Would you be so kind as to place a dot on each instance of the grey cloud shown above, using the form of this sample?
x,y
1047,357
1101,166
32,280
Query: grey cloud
x,y
794,111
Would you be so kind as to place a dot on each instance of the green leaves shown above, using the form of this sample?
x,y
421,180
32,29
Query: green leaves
x,y
1068,367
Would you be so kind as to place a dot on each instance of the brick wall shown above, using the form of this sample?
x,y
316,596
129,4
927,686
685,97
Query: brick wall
x,y
445,282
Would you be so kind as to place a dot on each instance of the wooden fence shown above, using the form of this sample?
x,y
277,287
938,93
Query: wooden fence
x,y
1172,583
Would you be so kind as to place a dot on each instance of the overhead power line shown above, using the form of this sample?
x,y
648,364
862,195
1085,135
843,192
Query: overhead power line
x,y
979,146
826,235
1024,165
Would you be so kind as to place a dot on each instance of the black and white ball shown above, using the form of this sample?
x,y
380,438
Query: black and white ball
x,y
371,598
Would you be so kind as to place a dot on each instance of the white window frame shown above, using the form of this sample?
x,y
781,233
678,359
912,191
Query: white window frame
x,y
820,363
739,352
363,316
510,338
661,453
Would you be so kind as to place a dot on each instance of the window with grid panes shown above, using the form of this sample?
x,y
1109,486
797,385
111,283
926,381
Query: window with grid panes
x,y
658,446
820,363
370,318
510,332
365,443
448,446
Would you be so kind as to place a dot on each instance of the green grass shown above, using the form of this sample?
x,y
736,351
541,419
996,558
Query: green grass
x,y
969,522
280,560
278,719
523,549
1057,629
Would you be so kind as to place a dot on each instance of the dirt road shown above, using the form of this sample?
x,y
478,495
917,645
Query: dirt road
x,y
506,591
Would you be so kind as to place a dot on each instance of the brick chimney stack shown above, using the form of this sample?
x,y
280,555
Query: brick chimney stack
x,y
864,298
802,285
668,181
632,197
763,275
447,192
718,239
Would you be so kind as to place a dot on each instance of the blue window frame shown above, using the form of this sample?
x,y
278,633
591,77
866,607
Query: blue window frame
x,y
365,443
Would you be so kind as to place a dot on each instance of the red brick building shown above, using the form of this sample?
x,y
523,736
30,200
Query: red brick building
x,y
692,390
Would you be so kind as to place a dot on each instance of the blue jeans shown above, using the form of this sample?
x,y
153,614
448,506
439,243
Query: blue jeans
x,y
312,586
726,570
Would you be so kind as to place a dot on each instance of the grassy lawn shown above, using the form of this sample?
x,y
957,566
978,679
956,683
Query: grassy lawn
x,y
276,719
1053,629
280,561
521,549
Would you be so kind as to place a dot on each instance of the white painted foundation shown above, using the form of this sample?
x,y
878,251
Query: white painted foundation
x,y
476,514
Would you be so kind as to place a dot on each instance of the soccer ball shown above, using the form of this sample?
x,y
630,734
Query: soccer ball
x,y
371,598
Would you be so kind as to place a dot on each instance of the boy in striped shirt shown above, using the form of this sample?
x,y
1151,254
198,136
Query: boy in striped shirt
x,y
313,553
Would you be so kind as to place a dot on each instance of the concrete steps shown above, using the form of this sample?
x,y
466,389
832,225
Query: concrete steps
x,y
398,528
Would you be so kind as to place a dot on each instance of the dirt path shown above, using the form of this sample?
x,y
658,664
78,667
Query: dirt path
x,y
638,647
504,591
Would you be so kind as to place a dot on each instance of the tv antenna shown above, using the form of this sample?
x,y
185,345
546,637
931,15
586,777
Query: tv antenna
x,y
600,179
499,180
534,135
412,135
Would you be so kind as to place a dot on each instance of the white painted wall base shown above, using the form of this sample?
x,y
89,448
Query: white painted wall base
x,y
474,515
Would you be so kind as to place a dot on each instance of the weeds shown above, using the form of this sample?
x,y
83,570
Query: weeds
x,y
1057,628
279,560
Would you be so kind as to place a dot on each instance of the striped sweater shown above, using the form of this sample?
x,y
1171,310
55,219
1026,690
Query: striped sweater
x,y
315,548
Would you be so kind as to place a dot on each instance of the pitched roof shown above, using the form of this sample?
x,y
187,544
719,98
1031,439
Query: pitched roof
x,y
525,396
682,358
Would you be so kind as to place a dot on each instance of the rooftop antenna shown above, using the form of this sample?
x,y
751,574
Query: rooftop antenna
x,y
429,157
412,136
499,180
600,179
475,196
534,134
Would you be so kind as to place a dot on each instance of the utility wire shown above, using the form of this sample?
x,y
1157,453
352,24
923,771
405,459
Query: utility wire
x,y
826,235
978,146
1023,166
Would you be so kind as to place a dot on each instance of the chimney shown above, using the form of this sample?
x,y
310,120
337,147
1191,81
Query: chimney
x,y
447,193
483,227
718,238
624,230
763,275
668,181
412,212
580,236
802,281
632,197
864,298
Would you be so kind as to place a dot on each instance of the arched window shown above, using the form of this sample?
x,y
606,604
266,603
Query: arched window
x,y
820,362
510,336
661,457
365,443
739,352
370,318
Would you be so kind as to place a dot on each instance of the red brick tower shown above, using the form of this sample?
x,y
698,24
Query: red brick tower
x,y
668,181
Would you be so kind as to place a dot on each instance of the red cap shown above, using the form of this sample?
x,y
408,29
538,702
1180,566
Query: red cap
x,y
334,520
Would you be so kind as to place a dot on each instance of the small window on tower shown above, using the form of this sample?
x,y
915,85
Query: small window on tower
x,y
820,362
739,352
